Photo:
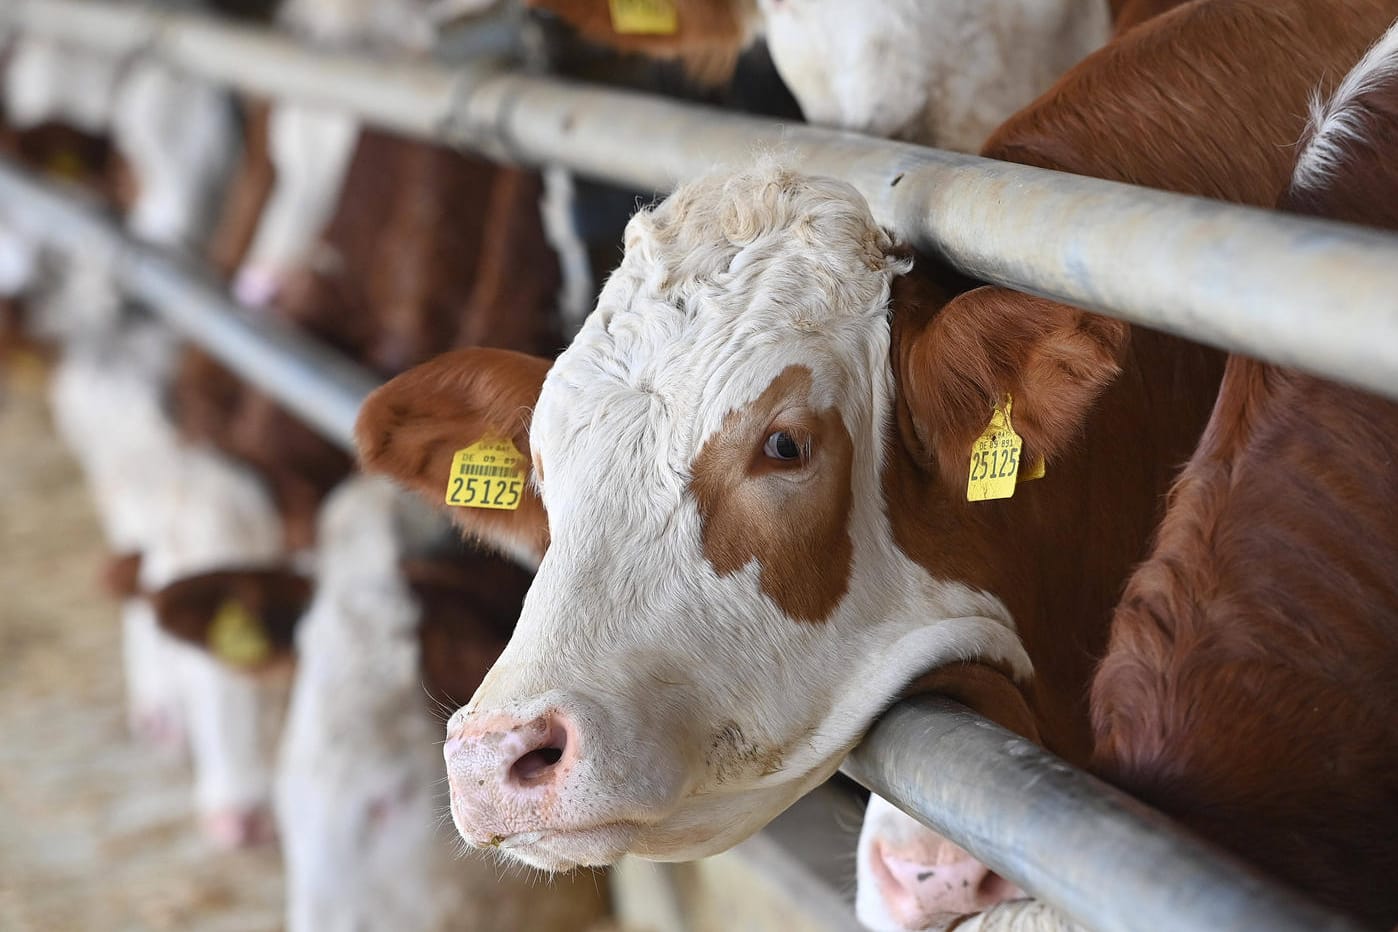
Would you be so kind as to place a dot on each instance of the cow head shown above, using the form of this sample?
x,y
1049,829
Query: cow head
x,y
729,590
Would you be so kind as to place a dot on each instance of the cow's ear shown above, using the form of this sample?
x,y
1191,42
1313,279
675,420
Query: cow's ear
x,y
246,618
955,360
411,428
468,611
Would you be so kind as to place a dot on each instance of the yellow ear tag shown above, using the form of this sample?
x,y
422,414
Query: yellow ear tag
x,y
65,164
995,459
235,636
645,17
487,474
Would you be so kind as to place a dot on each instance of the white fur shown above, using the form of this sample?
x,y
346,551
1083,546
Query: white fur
x,y
556,209
628,630
942,73
310,149
1336,122
360,794
47,81
213,513
1020,916
178,134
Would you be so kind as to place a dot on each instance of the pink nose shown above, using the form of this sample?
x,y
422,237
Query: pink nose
x,y
256,286
239,828
932,886
498,765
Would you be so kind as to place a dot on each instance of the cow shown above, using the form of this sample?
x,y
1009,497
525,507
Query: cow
x,y
1247,690
402,619
1217,620
940,73
748,473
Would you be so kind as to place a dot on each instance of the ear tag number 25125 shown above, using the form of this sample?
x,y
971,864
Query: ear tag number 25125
x,y
487,474
995,459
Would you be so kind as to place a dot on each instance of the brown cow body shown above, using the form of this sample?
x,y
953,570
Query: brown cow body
x,y
1249,690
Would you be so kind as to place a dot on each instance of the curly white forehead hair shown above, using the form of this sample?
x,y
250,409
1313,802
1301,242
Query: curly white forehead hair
x,y
726,266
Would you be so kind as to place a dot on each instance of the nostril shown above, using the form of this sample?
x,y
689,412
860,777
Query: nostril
x,y
535,764
539,764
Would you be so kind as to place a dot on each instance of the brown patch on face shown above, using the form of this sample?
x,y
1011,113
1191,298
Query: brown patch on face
x,y
792,518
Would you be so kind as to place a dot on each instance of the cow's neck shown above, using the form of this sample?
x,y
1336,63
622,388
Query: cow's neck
x,y
1059,551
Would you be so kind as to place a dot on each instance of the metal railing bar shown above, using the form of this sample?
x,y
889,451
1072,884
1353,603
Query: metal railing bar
x,y
1296,291
320,386
1107,861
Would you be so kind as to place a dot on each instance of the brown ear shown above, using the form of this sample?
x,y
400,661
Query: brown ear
x,y
469,608
121,576
983,689
245,617
410,428
955,359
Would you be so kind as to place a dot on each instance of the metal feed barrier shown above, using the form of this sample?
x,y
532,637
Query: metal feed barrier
x,y
1316,295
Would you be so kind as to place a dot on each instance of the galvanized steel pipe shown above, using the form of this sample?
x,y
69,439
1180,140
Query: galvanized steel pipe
x,y
1319,296
1104,859
322,387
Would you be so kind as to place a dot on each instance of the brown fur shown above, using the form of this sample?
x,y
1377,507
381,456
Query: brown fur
x,y
756,508
410,271
710,36
1249,690
1209,100
275,597
469,608
411,427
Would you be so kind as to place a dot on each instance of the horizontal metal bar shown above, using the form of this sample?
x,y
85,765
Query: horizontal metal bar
x,y
320,386
1319,296
1104,859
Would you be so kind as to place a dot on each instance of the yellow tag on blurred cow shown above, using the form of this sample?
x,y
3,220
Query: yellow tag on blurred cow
x,y
645,17
487,474
236,637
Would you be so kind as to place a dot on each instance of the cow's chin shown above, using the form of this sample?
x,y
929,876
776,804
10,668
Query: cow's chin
x,y
565,850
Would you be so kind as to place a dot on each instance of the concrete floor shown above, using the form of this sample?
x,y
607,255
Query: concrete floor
x,y
95,832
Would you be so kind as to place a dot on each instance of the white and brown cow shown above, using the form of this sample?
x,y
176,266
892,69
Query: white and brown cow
x,y
749,486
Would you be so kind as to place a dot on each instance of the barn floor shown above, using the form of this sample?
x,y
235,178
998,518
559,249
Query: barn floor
x,y
95,832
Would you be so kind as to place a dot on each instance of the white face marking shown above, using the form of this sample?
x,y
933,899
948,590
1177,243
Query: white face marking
x,y
213,513
360,795
178,136
938,72
704,709
311,151
45,81
358,778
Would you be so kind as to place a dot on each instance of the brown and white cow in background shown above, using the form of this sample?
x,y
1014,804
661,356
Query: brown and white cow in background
x,y
401,619
942,73
749,480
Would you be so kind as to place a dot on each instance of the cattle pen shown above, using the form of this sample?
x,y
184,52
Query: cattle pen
x,y
1244,280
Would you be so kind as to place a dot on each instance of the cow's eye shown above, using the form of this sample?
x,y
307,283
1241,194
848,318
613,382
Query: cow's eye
x,y
781,445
